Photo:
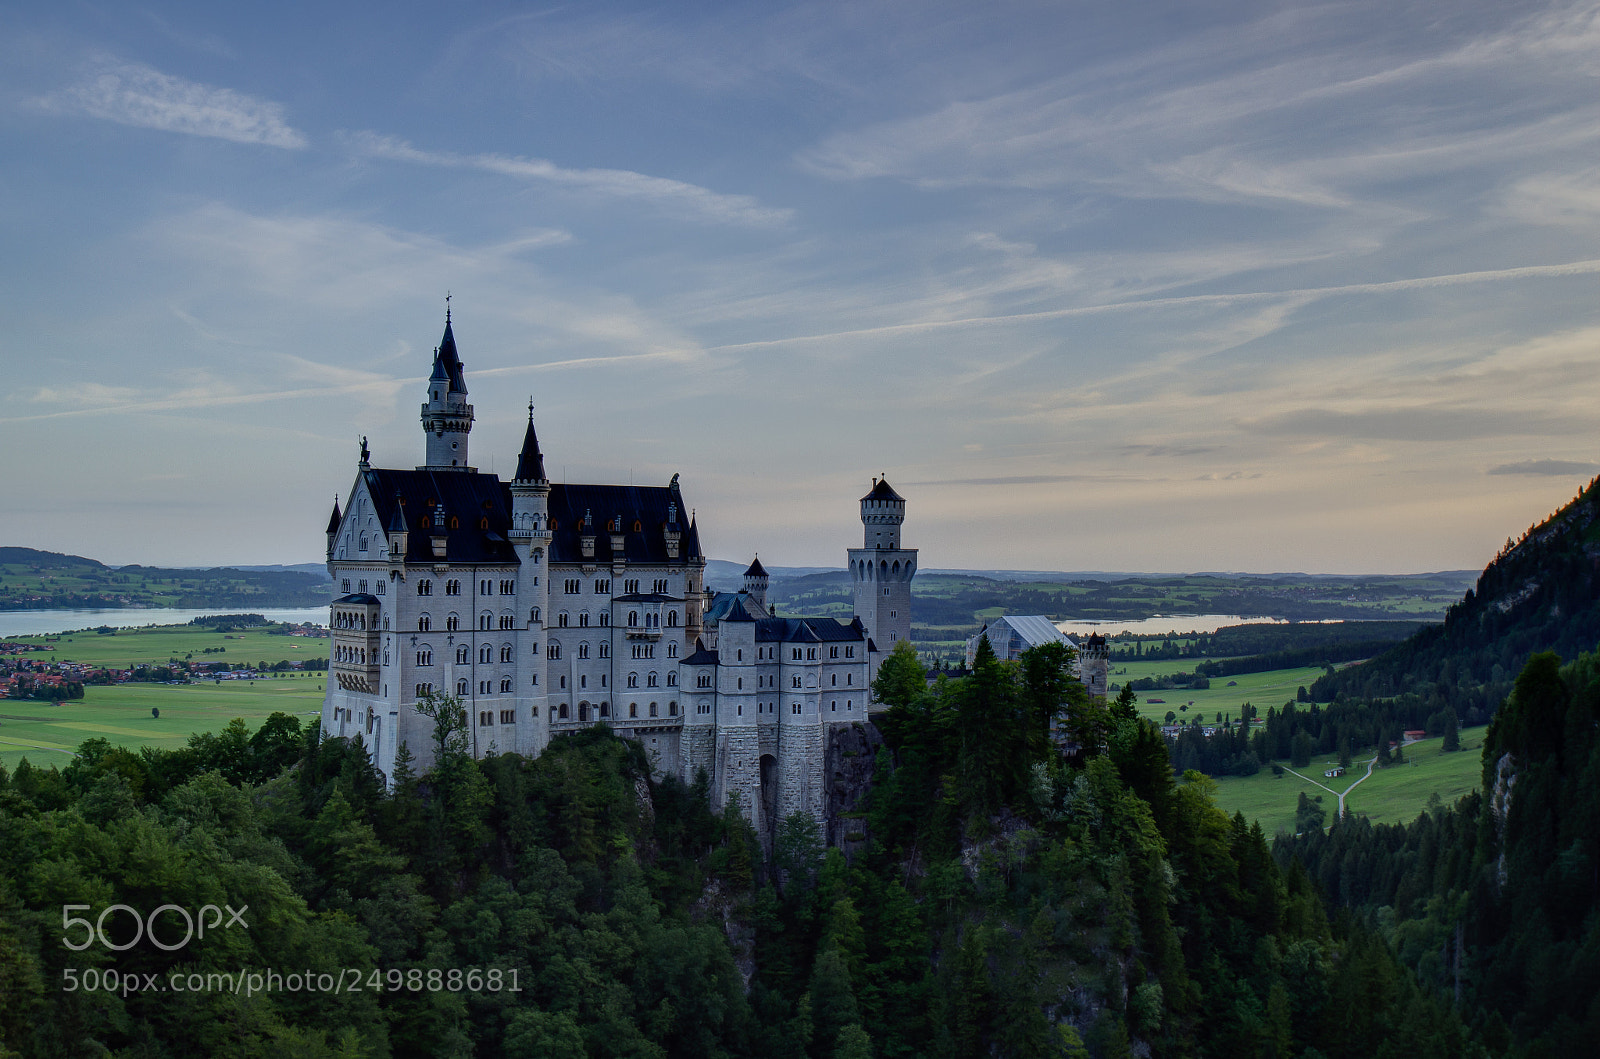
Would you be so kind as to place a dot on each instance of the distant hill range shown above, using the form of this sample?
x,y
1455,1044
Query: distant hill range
x,y
40,580
1541,593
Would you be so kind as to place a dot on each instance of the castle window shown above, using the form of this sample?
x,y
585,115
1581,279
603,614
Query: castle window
x,y
554,650
424,623
505,685
461,687
602,587
703,681
637,526
563,682
633,680
561,620
633,709
672,650
463,655
583,680
508,588
672,619
661,586
483,523
833,681
533,679
672,708
485,587
605,649
508,716
651,681
672,680
794,654
455,523
605,709
425,657
583,649
381,588
738,655
886,591
704,707
424,690
849,704
739,684
452,623
533,616
605,619
796,680
572,586
894,614
486,620
507,622
652,709
833,705
630,586
452,588
564,714
633,619
833,652
602,675
505,652
849,651
811,653
362,544
795,708
583,619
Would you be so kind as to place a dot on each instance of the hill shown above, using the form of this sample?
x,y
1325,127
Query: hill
x,y
40,580
1541,593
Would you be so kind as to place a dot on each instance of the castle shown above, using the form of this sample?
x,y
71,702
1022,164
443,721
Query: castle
x,y
549,607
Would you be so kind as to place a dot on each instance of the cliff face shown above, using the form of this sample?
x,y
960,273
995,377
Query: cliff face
x,y
852,753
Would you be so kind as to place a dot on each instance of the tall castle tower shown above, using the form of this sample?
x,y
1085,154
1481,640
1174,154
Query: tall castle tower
x,y
881,570
446,415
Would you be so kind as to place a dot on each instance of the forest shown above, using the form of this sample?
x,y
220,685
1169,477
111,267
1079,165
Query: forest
x,y
1031,885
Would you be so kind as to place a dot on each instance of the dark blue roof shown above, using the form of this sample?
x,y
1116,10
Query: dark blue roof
x,y
336,518
365,599
756,569
479,504
701,656
449,361
881,490
809,630
736,611
646,506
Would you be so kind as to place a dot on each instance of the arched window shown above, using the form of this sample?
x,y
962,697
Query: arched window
x,y
564,714
605,709
533,616
605,649
463,655
652,709
485,620
672,680
461,686
554,650
486,654
453,622
561,620
425,656
672,619
505,652
424,587
672,650
651,681
633,680
605,619
633,709
424,623
633,619
583,649
583,619
672,708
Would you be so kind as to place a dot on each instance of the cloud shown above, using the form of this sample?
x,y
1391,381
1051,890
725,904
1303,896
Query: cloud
x,y
133,94
614,183
1560,468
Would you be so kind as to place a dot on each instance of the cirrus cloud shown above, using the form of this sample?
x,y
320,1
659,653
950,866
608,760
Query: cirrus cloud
x,y
138,95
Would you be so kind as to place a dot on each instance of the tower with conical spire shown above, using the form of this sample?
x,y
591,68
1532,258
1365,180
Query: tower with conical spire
x,y
881,570
446,415
530,537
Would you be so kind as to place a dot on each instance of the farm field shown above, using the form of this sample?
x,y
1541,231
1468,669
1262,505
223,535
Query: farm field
x,y
1393,795
156,644
47,734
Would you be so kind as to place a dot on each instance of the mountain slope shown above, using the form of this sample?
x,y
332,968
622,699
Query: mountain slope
x,y
1540,594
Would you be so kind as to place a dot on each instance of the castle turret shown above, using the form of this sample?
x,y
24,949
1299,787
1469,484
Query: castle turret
x,y
530,537
334,521
881,571
755,582
446,415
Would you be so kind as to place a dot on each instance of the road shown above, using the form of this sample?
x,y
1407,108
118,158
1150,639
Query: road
x,y
1337,794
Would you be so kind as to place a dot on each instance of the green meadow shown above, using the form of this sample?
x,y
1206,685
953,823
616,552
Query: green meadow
x,y
1393,795
48,734
1272,688
157,644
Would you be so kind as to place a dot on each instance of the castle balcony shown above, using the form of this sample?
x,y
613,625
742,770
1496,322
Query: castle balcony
x,y
641,633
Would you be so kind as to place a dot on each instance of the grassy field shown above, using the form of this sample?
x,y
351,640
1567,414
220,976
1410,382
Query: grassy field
x,y
1272,688
1392,795
156,644
47,734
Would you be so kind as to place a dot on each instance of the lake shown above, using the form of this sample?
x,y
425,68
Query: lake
x,y
1178,623
39,622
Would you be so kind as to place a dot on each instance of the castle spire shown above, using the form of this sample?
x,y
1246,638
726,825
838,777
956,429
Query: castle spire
x,y
530,464
446,415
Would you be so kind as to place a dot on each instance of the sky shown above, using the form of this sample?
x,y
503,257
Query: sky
x,y
1098,286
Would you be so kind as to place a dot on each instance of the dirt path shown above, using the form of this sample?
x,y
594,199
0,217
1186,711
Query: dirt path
x,y
1337,794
